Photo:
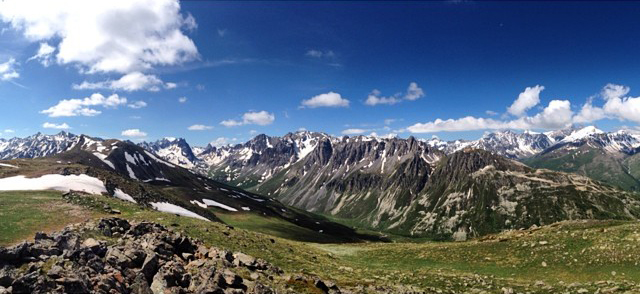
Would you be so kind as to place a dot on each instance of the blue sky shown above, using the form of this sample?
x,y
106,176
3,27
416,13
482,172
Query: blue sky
x,y
451,69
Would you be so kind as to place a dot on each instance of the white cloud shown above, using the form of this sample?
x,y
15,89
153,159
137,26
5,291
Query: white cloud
x,y
222,32
9,131
258,118
374,98
81,107
618,106
137,104
231,123
182,99
389,121
63,126
133,133
385,136
44,54
170,85
354,131
130,82
414,92
222,141
199,128
261,118
330,99
612,91
455,125
491,113
8,71
253,132
526,100
556,115
588,113
106,36
320,54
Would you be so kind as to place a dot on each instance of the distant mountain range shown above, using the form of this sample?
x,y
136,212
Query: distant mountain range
x,y
127,171
406,186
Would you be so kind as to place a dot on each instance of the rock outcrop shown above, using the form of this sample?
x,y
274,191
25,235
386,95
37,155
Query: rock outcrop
x,y
115,256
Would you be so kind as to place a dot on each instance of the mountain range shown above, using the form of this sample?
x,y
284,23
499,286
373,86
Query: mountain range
x,y
405,186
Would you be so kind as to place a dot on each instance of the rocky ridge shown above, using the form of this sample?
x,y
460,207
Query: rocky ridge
x,y
115,256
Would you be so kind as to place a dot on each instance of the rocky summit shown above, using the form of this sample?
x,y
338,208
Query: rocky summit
x,y
112,255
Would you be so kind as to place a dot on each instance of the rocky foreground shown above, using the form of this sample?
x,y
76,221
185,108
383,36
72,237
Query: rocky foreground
x,y
115,256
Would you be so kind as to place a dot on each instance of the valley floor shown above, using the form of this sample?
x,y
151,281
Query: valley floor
x,y
571,257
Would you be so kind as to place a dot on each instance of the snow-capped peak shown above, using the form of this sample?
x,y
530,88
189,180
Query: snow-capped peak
x,y
583,133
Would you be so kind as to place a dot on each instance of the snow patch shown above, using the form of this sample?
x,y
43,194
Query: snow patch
x,y
196,202
54,182
175,209
104,159
131,173
210,202
123,196
8,165
157,159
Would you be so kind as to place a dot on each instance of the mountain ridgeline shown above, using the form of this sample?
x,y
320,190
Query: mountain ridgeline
x,y
434,188
424,187
127,171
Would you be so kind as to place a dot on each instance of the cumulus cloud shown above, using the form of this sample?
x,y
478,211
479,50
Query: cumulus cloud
x,y
375,98
62,126
414,92
589,113
83,107
133,133
182,99
557,114
8,70
137,104
618,105
330,99
130,82
106,36
526,100
261,118
455,125
199,128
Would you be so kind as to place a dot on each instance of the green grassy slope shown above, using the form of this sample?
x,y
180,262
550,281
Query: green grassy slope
x,y
596,254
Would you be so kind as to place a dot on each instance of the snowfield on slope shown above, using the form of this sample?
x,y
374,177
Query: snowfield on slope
x,y
60,183
175,209
54,182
